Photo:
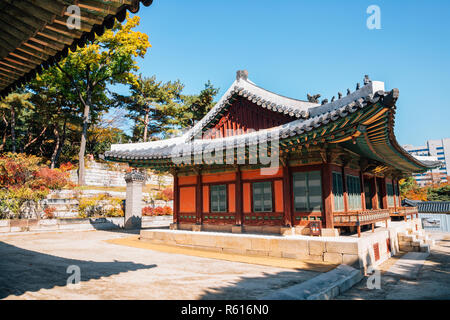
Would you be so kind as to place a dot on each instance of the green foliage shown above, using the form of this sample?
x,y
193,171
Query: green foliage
x,y
439,194
195,107
100,206
409,189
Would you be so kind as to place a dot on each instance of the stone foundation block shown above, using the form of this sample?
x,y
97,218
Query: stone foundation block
x,y
257,252
342,247
316,247
260,244
197,227
276,254
236,229
314,257
350,259
203,240
331,232
303,231
294,246
232,242
234,251
332,257
173,226
287,231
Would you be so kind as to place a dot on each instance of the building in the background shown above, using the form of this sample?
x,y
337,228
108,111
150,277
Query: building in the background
x,y
433,150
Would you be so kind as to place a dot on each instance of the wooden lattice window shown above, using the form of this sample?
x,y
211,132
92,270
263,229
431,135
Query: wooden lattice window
x,y
262,196
354,192
338,191
218,198
307,191
390,194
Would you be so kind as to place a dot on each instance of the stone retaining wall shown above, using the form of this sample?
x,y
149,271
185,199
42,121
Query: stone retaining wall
x,y
369,250
35,225
100,174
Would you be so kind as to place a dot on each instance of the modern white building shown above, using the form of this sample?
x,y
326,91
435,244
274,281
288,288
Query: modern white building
x,y
432,151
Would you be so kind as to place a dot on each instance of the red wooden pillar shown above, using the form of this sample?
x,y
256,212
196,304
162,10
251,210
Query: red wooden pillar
x,y
239,212
344,186
384,193
287,196
327,190
394,187
363,191
199,199
176,197
373,183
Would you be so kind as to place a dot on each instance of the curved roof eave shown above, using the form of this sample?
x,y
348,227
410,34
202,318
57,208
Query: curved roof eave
x,y
29,56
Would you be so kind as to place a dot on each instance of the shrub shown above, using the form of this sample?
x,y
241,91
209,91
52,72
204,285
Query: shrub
x,y
49,212
165,195
25,180
157,211
100,206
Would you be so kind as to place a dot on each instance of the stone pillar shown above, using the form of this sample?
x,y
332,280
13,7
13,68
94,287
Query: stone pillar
x,y
133,204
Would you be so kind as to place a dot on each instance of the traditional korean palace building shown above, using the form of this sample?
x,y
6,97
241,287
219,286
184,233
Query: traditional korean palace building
x,y
262,162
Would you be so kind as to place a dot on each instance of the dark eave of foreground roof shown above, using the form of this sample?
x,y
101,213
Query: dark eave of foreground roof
x,y
33,36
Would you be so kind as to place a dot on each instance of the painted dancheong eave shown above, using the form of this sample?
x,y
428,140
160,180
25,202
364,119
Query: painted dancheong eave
x,y
34,33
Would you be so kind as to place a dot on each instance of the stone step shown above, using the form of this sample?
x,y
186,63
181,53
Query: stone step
x,y
323,287
425,248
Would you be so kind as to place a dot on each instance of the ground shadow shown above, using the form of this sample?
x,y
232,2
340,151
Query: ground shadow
x,y
250,288
103,224
24,270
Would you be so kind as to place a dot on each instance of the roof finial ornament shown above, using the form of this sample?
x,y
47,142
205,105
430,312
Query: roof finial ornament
x,y
314,98
324,101
332,99
339,95
348,92
367,80
358,86
242,74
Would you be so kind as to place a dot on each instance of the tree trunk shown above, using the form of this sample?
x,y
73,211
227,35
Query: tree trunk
x,y
147,111
13,129
81,168
61,144
55,150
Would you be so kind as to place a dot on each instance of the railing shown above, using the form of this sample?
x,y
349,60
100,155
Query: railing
x,y
404,212
359,218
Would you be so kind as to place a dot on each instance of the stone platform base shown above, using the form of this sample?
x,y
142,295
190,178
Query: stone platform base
x,y
269,230
371,249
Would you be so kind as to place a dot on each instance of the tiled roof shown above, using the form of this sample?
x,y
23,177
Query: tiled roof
x,y
429,206
310,116
34,33
371,93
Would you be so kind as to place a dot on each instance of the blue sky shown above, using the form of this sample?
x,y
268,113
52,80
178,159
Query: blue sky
x,y
297,47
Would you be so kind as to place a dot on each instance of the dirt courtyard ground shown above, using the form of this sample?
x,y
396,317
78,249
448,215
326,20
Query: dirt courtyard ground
x,y
34,266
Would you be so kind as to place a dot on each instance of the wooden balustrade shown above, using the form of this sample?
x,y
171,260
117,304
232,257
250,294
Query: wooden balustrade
x,y
360,218
404,212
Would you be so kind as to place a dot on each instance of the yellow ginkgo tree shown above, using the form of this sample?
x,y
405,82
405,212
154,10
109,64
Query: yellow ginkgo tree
x,y
85,74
